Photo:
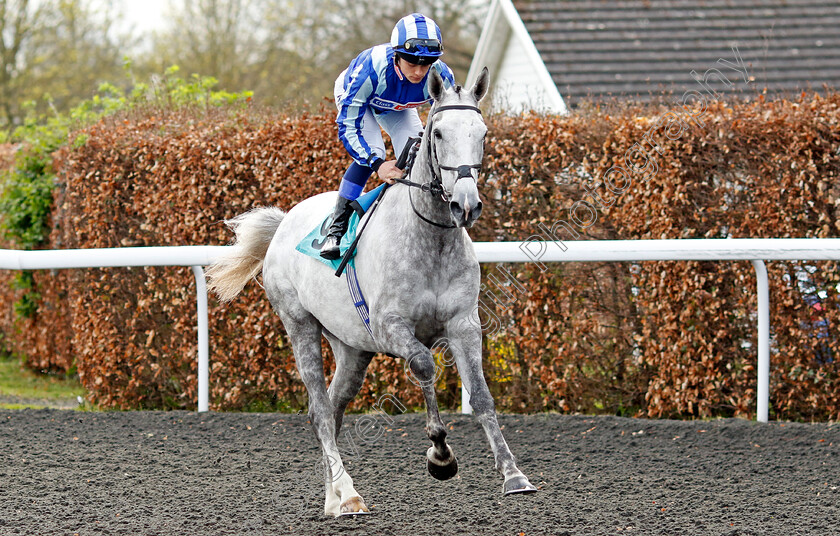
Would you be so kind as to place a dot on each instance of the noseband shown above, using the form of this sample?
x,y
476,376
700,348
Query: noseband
x,y
435,186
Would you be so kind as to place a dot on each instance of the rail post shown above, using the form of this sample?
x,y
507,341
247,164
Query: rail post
x,y
203,339
763,390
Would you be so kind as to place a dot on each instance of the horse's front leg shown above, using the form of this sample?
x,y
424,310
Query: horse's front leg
x,y
398,335
464,338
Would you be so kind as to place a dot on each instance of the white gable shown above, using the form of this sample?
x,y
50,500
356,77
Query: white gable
x,y
517,87
519,79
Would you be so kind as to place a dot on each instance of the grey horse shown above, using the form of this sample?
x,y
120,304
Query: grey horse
x,y
420,277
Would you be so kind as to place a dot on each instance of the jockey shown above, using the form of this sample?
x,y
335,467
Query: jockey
x,y
382,87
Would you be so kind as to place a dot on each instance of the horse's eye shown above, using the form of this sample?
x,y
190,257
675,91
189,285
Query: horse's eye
x,y
438,135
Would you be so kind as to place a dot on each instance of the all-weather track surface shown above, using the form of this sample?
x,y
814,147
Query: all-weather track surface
x,y
179,473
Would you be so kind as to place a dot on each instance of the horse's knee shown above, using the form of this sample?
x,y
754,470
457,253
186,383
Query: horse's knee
x,y
482,403
422,367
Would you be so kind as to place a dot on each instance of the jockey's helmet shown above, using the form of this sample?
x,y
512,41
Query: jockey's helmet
x,y
416,39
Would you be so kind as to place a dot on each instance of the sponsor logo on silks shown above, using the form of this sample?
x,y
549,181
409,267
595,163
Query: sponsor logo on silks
x,y
383,104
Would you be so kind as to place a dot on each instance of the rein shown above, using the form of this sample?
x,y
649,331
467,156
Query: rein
x,y
435,186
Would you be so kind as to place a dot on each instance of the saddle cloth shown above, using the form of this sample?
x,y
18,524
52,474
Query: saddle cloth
x,y
312,243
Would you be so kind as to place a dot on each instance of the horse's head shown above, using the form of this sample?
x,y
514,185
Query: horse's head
x,y
455,139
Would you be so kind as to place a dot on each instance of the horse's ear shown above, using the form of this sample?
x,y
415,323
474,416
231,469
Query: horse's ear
x,y
435,85
479,89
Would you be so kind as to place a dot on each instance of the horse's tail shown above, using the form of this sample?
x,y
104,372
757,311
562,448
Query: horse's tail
x,y
254,230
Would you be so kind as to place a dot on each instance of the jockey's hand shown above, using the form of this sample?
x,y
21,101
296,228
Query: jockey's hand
x,y
389,171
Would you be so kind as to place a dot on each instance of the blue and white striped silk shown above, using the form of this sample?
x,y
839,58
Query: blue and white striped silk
x,y
372,83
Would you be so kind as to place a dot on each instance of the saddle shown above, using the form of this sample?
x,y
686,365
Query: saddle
x,y
312,243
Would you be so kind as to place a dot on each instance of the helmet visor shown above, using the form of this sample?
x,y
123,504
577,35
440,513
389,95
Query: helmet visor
x,y
417,60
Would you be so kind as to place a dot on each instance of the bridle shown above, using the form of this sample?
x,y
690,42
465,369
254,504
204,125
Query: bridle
x,y
435,186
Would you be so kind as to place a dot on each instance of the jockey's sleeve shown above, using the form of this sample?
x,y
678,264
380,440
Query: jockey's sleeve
x,y
364,80
352,108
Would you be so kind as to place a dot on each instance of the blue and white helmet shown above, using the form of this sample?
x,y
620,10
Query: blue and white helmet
x,y
416,38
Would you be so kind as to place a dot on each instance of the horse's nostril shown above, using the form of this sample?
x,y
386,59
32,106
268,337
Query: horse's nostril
x,y
457,211
476,212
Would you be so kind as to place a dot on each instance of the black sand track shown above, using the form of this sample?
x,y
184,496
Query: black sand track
x,y
179,473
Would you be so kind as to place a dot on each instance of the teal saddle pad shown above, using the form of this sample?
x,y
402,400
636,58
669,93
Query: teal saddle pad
x,y
312,243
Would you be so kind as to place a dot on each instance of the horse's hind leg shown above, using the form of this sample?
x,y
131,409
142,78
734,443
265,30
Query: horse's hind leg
x,y
399,336
350,369
464,338
305,334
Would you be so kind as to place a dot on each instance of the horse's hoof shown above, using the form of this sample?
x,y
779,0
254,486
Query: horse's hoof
x,y
518,484
354,506
443,472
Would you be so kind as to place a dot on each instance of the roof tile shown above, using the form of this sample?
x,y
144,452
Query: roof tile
x,y
637,47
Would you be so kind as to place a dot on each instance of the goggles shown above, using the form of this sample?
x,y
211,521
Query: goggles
x,y
422,46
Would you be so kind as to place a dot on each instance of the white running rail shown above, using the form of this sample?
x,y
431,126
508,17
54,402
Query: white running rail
x,y
755,250
194,256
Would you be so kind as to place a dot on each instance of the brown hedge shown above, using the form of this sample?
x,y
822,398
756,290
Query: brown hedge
x,y
658,339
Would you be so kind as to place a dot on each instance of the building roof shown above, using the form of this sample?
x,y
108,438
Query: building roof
x,y
638,47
